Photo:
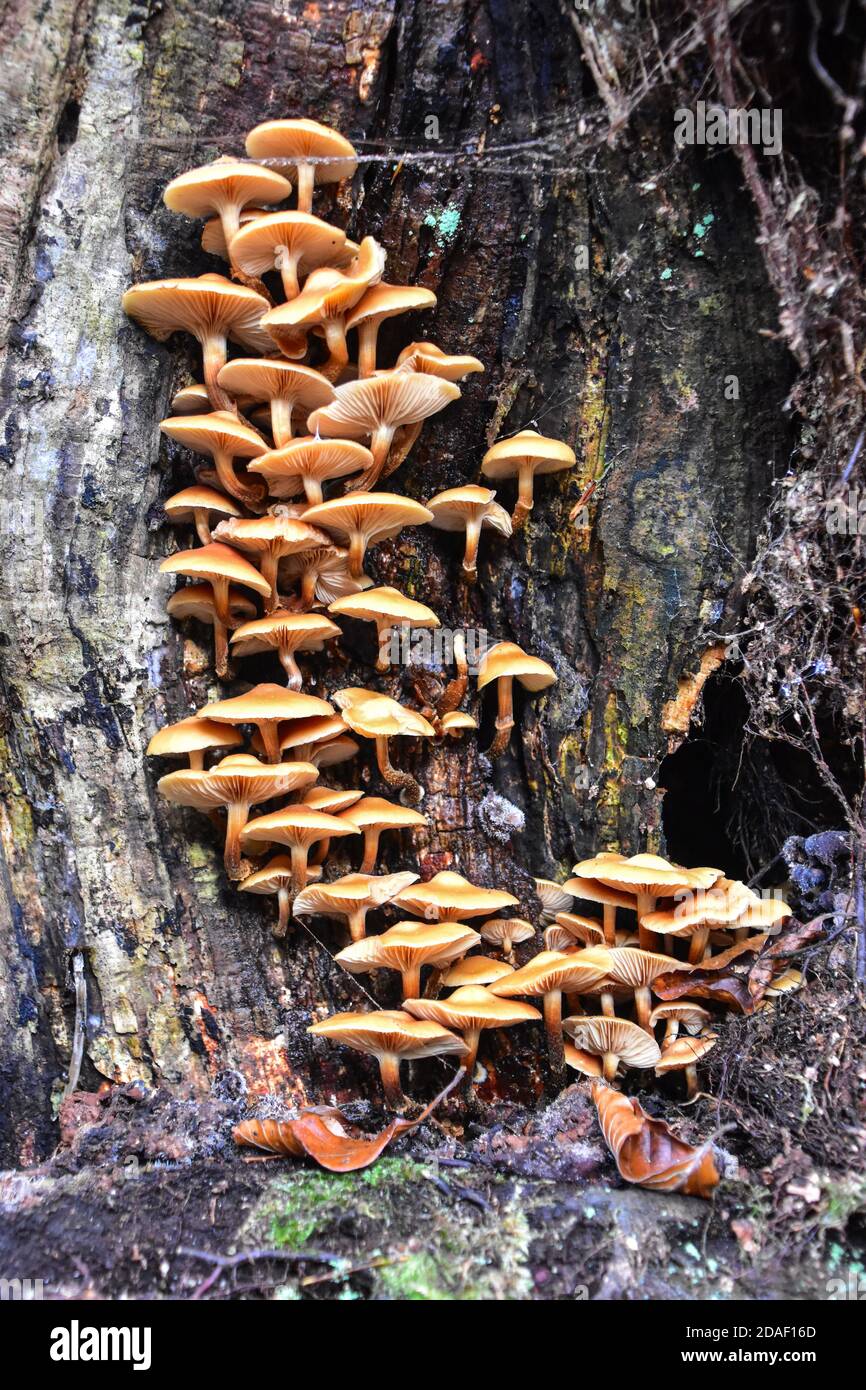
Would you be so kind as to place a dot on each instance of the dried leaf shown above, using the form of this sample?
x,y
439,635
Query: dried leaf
x,y
319,1133
647,1152
739,976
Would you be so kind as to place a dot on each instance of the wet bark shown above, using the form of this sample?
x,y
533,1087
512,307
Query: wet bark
x,y
612,292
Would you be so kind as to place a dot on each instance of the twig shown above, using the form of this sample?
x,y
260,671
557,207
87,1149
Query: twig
x,y
224,1262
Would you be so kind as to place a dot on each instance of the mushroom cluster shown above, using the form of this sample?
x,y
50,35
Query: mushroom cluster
x,y
285,507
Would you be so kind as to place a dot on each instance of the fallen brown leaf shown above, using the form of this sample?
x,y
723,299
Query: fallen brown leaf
x,y
319,1133
738,977
647,1152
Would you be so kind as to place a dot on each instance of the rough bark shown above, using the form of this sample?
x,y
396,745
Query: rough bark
x,y
625,354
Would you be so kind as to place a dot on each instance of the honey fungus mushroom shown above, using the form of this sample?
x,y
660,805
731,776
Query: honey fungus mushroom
x,y
277,878
269,538
267,706
615,1040
225,187
285,634
391,1036
448,896
683,1055
322,575
222,437
636,969
695,917
198,506
298,827
373,815
304,465
388,609
506,933
365,518
476,970
315,152
352,897
237,783
192,738
523,456
211,308
288,388
506,663
375,407
324,304
549,974
645,877
589,890
221,567
293,243
380,718
470,1010
381,302
469,509
407,947
553,897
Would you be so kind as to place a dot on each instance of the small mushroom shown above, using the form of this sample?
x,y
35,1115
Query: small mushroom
x,y
506,932
470,1010
455,690
583,929
428,358
211,308
352,897
269,538
388,609
523,456
302,737
276,877
584,1062
324,303
549,974
294,243
220,567
365,518
379,303
315,152
224,438
213,241
193,737
683,1055
644,877
615,1040
556,938
286,634
237,783
305,464
392,1037
380,718
408,947
375,407
448,896
297,827
323,575
504,663
698,914
287,387
191,400
589,890
476,970
469,509
225,187
197,506
554,898
333,801
267,706
372,815
683,1014
455,723
637,969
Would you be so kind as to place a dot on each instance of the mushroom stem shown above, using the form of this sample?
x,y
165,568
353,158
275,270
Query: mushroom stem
x,y
609,924
411,792
358,923
553,1029
470,554
610,1063
404,440
434,983
221,623
213,351
299,868
335,337
202,529
643,1008
524,494
237,813
232,484
284,900
380,445
287,265
454,691
357,547
505,718
691,1075
306,182
471,1037
281,421
698,945
294,679
269,730
672,1030
646,903
389,1069
196,760
320,853
368,334
412,982
608,1007
371,849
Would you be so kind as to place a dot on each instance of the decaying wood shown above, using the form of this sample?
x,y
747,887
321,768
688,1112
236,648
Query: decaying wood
x,y
571,268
